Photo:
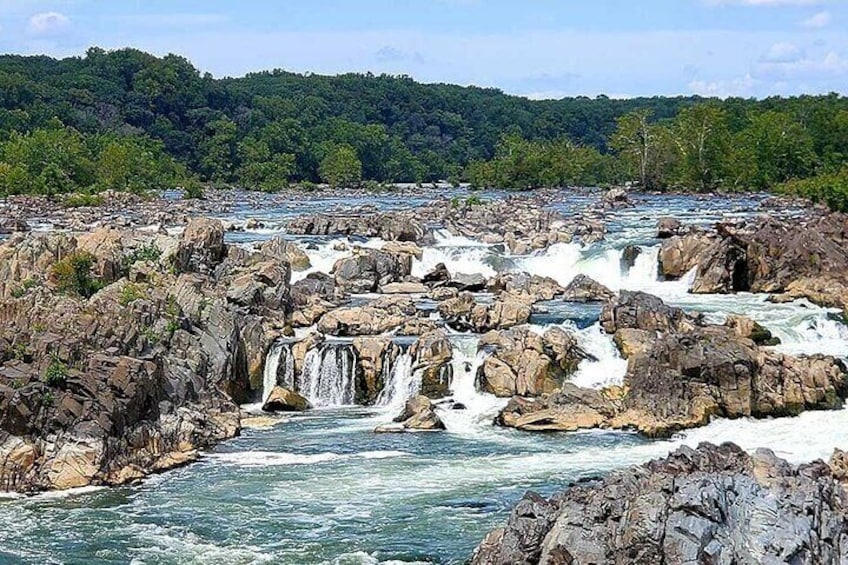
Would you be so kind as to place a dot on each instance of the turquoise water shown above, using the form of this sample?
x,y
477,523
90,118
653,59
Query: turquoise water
x,y
316,488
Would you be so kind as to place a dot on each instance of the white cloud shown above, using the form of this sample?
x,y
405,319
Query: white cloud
x,y
783,53
817,21
831,66
47,23
745,86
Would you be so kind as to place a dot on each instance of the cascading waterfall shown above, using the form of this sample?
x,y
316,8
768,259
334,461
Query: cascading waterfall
x,y
607,368
271,375
477,408
401,384
328,377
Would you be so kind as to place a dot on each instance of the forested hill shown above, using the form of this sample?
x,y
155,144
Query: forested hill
x,y
167,119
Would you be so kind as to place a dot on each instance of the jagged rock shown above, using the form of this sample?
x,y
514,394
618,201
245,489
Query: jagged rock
x,y
439,274
12,225
399,226
374,356
282,250
628,257
668,227
201,247
368,269
679,255
585,289
285,400
376,317
462,313
705,505
432,354
419,415
314,286
526,364
639,310
539,288
616,198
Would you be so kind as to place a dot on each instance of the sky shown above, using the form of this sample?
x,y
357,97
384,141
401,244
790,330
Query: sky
x,y
534,48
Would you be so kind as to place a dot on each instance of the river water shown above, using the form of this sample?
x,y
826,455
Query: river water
x,y
321,487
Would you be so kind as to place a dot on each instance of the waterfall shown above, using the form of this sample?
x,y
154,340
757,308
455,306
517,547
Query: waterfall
x,y
271,374
401,384
328,375
479,408
608,366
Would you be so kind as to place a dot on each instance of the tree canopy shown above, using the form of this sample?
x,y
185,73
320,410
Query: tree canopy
x,y
126,119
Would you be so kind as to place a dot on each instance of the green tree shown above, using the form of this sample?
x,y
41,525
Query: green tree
x,y
702,138
341,167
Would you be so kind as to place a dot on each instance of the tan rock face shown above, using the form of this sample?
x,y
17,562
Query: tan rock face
x,y
73,466
432,354
374,357
285,400
419,415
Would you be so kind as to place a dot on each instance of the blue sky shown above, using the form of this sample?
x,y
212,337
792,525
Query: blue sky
x,y
536,48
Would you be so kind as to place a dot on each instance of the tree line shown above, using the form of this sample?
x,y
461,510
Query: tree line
x,y
128,120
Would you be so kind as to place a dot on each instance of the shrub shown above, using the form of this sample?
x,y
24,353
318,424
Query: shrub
x,y
829,189
129,294
82,199
25,285
73,274
474,200
193,190
147,252
56,374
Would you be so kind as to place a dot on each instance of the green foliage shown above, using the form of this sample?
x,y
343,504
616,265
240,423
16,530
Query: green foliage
x,y
147,252
82,199
128,120
829,189
25,286
56,374
192,190
474,200
129,294
341,167
73,275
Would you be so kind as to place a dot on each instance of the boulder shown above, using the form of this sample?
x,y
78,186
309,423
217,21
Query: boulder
x,y
668,227
374,358
419,415
432,354
368,269
462,313
403,247
713,504
534,286
463,282
376,317
585,289
285,400
201,247
628,258
439,274
282,250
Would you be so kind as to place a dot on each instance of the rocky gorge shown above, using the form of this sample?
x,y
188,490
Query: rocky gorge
x,y
130,350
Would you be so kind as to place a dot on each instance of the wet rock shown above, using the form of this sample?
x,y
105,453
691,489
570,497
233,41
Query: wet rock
x,y
282,250
628,257
692,507
404,288
432,354
526,364
419,415
439,274
585,289
403,247
462,312
285,400
539,288
679,255
368,269
639,310
374,357
668,227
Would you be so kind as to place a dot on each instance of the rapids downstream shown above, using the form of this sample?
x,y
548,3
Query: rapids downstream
x,y
321,487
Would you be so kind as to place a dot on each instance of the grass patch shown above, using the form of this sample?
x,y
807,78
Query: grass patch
x,y
73,274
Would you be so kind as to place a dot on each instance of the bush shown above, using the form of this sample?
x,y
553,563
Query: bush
x,y
56,374
193,190
73,274
149,252
474,200
129,294
82,199
830,189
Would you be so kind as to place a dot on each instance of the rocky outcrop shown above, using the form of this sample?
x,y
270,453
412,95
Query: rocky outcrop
x,y
463,313
585,289
139,376
399,226
804,258
432,355
682,372
713,504
287,251
419,415
376,317
533,286
369,269
668,227
374,358
524,363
